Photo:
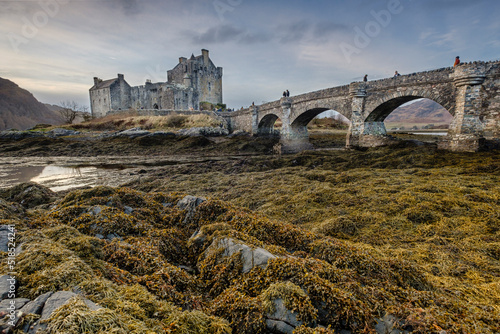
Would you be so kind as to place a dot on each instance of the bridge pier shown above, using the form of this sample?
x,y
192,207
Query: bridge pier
x,y
293,139
364,133
466,131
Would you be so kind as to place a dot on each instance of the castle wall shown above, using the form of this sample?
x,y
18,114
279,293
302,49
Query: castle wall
x,y
100,101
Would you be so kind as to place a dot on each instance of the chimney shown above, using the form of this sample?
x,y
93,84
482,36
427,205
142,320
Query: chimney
x,y
182,59
120,77
204,52
96,80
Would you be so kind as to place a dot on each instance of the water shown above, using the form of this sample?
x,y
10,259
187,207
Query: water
x,y
65,173
429,133
59,174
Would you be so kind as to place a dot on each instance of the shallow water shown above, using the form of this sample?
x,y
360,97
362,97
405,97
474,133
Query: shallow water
x,y
60,174
64,173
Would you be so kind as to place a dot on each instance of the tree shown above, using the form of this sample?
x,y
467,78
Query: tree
x,y
70,110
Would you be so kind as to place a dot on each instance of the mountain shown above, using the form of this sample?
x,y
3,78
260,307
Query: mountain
x,y
420,111
19,109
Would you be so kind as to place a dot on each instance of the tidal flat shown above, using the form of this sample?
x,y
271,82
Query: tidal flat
x,y
362,241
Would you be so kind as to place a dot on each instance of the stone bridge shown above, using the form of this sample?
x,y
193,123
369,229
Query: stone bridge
x,y
470,92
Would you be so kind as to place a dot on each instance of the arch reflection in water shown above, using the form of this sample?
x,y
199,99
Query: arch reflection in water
x,y
62,178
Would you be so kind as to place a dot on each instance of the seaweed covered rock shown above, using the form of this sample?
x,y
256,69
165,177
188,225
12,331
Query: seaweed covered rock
x,y
187,265
29,194
52,308
190,203
251,257
287,306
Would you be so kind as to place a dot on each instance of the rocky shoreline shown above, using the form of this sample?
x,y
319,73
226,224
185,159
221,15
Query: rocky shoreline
x,y
117,260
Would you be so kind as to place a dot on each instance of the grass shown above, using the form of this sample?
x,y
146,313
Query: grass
x,y
131,119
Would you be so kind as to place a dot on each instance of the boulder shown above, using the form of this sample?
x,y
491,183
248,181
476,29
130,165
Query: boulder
x,y
133,133
5,283
56,300
17,302
60,132
388,325
18,135
190,203
29,194
203,131
283,320
251,257
36,306
4,238
127,210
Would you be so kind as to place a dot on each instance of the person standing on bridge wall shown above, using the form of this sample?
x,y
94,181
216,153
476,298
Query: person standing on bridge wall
x,y
365,79
287,93
457,61
396,74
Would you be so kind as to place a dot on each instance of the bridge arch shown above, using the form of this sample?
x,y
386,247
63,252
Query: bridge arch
x,y
384,106
266,124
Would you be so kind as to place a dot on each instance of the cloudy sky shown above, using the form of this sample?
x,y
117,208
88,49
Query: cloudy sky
x,y
54,48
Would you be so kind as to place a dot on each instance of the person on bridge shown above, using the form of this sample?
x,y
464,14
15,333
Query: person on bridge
x,y
396,74
365,79
287,93
457,61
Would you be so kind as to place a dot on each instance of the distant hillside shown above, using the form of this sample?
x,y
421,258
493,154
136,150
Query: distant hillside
x,y
421,111
20,110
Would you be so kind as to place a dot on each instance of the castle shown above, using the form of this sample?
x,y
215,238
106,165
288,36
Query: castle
x,y
189,83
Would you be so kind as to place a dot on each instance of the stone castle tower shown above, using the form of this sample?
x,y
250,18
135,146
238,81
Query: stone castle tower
x,y
190,82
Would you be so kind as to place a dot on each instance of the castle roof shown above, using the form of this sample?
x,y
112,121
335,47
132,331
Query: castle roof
x,y
104,84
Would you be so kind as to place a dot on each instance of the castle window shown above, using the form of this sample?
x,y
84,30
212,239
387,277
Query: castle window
x,y
209,86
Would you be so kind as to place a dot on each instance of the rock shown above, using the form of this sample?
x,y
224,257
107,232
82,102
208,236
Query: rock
x,y
18,135
36,306
60,298
239,133
127,210
133,133
56,300
112,236
190,203
283,320
17,302
279,326
60,132
6,282
387,325
251,257
163,134
94,211
29,194
203,131
4,238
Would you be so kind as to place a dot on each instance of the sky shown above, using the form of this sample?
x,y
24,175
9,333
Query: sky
x,y
54,48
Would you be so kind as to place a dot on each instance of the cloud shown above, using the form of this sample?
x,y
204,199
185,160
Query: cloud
x,y
225,33
304,31
129,7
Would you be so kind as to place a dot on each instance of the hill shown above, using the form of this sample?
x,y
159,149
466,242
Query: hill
x,y
420,112
19,109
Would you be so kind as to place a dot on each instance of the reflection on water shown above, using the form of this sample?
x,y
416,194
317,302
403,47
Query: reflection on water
x,y
56,178
62,178
429,133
